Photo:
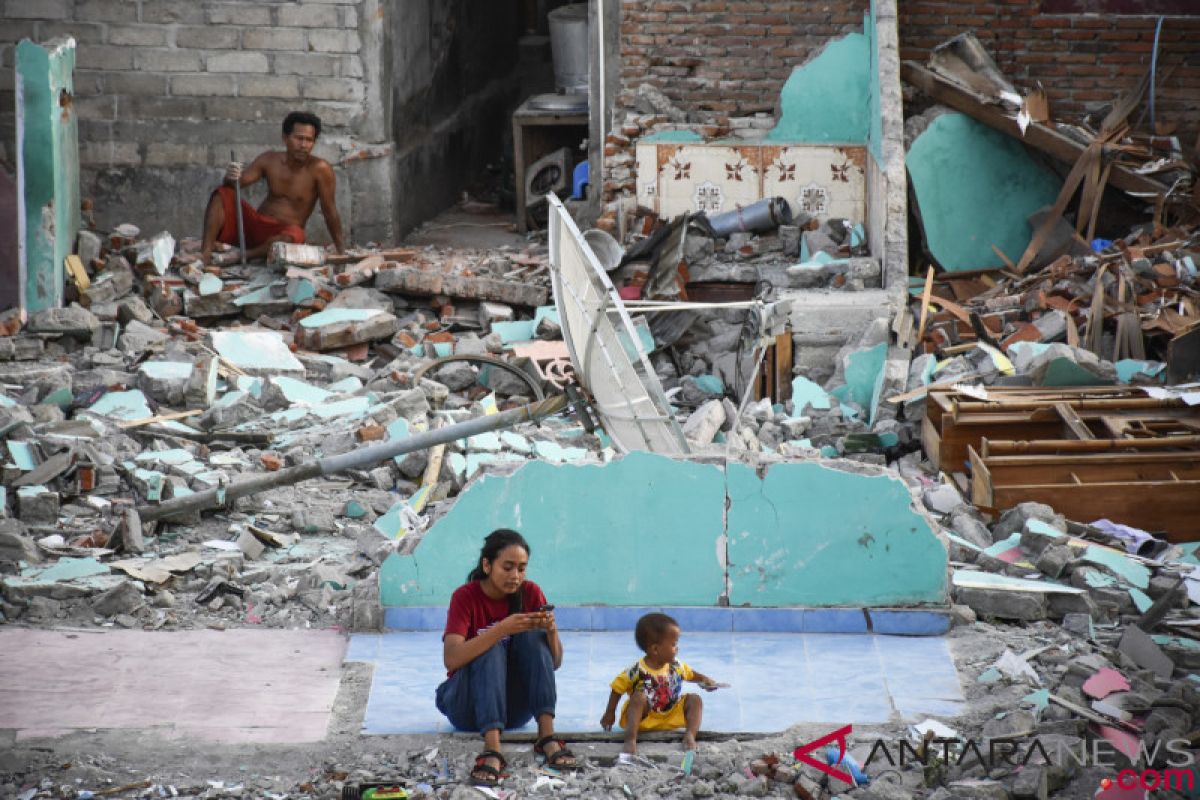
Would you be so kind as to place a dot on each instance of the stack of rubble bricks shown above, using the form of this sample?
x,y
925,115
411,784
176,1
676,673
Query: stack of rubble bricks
x,y
167,84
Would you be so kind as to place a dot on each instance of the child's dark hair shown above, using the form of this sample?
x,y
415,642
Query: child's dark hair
x,y
651,628
302,118
493,546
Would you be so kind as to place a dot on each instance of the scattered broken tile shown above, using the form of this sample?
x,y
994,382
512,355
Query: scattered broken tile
x,y
1104,683
257,353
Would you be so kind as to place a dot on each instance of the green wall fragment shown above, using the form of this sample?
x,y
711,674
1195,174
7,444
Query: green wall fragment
x,y
962,219
828,99
47,168
649,530
618,534
811,535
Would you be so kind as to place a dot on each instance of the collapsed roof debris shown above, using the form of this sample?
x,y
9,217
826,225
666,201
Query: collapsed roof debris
x,y
123,419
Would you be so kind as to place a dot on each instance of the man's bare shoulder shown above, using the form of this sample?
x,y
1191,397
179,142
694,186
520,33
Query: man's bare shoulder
x,y
319,166
271,157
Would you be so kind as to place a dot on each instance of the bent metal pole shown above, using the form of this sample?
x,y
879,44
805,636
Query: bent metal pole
x,y
355,459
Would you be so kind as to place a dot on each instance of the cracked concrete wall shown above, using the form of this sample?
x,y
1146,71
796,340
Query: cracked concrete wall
x,y
649,530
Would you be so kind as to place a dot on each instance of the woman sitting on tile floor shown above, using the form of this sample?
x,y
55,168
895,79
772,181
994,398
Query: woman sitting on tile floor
x,y
501,648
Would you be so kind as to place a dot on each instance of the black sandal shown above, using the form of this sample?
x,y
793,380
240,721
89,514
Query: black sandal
x,y
562,758
484,774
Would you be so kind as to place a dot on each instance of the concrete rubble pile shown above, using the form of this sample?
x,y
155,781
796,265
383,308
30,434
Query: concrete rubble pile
x,y
163,379
1128,310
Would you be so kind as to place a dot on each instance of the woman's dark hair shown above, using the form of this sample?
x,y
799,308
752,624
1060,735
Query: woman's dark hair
x,y
302,118
493,546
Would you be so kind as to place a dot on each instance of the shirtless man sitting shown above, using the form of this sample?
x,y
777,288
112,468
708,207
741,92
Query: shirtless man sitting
x,y
296,180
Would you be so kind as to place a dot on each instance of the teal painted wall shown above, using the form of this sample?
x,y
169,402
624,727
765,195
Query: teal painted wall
x,y
612,534
809,535
964,218
829,98
649,530
48,165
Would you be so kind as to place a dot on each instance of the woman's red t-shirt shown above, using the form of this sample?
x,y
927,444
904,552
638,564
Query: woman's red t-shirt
x,y
472,612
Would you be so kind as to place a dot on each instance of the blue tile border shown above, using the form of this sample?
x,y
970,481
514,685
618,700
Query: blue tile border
x,y
769,620
703,619
835,620
909,622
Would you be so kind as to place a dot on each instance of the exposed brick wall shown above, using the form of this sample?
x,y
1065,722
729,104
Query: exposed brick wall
x,y
1083,60
720,58
166,89
160,82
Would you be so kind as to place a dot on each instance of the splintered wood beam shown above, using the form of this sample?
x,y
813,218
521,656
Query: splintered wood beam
x,y
1172,510
1037,134
1074,424
993,447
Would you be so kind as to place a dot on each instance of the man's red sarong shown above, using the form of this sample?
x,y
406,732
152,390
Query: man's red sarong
x,y
258,226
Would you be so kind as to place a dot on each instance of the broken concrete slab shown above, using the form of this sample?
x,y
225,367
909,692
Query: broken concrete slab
x,y
15,543
165,381
343,327
138,337
427,283
362,297
114,283
74,320
257,353
37,505
210,306
67,578
124,598
1144,652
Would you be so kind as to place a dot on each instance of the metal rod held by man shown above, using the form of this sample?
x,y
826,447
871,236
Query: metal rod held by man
x,y
237,188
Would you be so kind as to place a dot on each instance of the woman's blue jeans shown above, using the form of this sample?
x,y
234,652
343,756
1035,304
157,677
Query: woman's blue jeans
x,y
504,688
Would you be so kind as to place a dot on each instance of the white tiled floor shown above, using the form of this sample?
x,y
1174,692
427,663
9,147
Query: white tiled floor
x,y
778,680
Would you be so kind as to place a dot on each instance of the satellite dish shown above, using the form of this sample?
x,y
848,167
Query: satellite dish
x,y
606,347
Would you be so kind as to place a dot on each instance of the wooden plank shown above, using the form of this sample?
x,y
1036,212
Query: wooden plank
x,y
931,442
1056,446
957,432
1071,418
404,255
1079,404
956,438
137,423
1025,471
1172,511
981,479
1039,135
783,367
925,295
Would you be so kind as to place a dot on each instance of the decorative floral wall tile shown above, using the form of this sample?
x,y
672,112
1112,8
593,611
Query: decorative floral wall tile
x,y
821,180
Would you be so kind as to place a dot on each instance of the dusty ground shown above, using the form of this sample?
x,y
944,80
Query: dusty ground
x,y
106,760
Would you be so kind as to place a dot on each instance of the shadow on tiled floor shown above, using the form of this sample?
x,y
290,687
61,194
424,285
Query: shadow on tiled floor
x,y
778,680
